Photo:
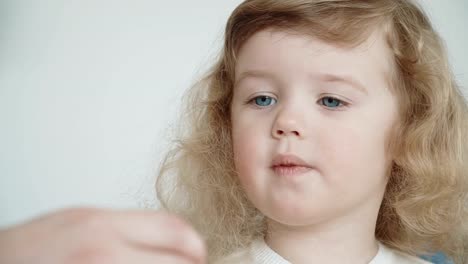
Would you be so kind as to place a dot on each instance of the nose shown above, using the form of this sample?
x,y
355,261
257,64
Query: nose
x,y
288,124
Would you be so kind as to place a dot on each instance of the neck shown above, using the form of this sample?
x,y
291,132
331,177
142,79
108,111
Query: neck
x,y
348,239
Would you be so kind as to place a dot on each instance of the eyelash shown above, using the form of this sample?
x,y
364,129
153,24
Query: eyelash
x,y
341,102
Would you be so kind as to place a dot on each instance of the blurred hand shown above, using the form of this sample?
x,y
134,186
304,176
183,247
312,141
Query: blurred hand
x,y
88,236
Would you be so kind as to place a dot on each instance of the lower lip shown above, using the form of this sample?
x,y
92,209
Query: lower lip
x,y
290,171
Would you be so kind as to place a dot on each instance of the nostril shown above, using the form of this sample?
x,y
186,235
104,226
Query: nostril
x,y
281,133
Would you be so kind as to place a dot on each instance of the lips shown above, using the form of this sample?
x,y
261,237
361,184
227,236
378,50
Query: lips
x,y
289,165
289,160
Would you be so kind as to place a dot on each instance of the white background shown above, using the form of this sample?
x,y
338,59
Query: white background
x,y
89,88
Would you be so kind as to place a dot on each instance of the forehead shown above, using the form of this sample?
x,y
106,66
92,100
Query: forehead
x,y
290,56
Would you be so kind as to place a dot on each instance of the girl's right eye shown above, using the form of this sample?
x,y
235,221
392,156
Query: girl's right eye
x,y
263,100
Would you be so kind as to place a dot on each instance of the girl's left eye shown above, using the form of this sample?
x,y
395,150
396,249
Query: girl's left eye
x,y
263,100
331,102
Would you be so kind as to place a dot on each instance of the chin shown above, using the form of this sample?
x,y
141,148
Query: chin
x,y
291,216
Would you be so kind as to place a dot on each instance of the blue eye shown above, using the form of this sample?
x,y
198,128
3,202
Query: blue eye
x,y
264,100
331,102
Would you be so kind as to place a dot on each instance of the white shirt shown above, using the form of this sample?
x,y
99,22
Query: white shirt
x,y
261,253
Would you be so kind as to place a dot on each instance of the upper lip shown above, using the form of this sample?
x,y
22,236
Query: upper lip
x,y
288,160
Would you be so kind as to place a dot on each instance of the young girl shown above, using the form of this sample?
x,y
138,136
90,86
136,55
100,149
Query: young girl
x,y
328,131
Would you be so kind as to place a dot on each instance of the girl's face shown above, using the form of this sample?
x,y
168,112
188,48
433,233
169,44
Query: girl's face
x,y
310,122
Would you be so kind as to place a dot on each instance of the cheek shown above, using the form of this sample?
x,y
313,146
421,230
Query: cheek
x,y
356,154
341,149
247,149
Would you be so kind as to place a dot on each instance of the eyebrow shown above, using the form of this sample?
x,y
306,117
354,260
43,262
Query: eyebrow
x,y
253,74
325,77
347,79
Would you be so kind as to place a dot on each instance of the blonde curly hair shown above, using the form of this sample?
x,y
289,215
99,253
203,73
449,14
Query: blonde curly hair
x,y
425,205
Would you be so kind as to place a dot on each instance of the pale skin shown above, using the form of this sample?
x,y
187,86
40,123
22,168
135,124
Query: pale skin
x,y
327,214
91,236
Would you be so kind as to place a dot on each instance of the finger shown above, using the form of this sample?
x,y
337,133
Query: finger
x,y
120,253
159,231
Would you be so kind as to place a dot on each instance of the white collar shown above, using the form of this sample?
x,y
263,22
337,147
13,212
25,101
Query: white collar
x,y
263,254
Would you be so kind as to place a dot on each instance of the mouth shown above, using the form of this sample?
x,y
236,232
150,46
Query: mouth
x,y
289,165
290,171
